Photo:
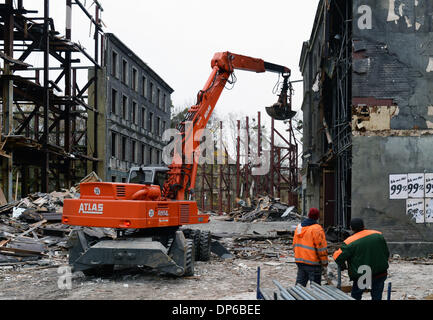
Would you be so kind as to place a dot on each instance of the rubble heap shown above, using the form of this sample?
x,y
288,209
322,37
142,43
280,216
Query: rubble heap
x,y
264,209
31,230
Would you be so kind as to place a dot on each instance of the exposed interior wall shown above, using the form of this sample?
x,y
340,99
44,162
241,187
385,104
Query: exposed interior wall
x,y
313,141
375,158
326,67
391,113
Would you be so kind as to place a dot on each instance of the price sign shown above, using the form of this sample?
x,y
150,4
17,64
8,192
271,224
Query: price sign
x,y
428,185
415,209
415,185
428,210
398,186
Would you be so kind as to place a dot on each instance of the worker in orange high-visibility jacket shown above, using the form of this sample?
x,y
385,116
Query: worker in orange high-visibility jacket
x,y
311,249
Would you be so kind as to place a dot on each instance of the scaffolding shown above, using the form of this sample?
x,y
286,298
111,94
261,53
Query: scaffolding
x,y
336,105
221,185
43,142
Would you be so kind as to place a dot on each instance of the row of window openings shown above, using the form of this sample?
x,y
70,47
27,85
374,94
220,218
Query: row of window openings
x,y
147,87
135,116
153,155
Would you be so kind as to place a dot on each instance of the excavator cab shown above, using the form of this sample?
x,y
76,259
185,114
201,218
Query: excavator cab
x,y
151,175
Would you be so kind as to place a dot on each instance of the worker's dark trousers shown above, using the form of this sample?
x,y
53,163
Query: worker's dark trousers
x,y
307,272
377,286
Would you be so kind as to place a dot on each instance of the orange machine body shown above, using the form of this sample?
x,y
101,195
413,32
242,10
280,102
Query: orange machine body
x,y
128,206
136,206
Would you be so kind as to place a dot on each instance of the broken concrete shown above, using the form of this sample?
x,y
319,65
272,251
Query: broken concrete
x,y
213,280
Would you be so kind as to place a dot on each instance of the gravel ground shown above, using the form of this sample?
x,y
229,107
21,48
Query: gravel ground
x,y
218,279
233,279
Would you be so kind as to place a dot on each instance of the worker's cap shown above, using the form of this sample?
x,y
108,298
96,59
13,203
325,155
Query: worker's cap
x,y
314,214
357,224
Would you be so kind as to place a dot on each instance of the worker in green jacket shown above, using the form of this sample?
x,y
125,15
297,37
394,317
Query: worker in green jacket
x,y
367,255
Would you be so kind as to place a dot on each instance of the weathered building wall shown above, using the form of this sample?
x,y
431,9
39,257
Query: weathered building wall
x,y
135,104
380,83
325,65
374,159
392,115
313,140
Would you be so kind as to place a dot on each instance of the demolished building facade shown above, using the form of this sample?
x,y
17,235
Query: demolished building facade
x,y
135,110
368,118
49,136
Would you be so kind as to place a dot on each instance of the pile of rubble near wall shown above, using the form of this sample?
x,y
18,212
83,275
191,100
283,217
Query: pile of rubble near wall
x,y
31,231
263,209
273,246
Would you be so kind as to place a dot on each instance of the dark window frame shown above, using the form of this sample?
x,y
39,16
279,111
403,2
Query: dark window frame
x,y
125,71
113,144
114,94
114,63
125,102
134,79
124,147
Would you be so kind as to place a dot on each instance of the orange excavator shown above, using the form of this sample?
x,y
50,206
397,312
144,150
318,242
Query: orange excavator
x,y
147,212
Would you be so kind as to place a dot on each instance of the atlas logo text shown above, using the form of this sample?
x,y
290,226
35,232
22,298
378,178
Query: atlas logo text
x,y
91,208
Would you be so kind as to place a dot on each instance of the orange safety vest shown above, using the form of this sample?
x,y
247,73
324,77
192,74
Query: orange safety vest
x,y
310,246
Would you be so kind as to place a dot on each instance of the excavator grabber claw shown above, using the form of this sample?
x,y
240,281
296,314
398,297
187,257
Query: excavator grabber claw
x,y
282,110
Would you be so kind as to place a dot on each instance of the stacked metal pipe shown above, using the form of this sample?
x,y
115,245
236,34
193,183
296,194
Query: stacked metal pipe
x,y
313,292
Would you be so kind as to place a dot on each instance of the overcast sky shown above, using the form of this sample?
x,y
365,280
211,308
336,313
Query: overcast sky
x,y
178,39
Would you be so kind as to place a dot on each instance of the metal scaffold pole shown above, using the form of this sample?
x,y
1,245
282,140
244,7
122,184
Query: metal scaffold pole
x,y
46,98
281,176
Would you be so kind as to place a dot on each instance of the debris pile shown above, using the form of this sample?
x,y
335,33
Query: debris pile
x,y
275,246
21,242
264,209
31,231
40,206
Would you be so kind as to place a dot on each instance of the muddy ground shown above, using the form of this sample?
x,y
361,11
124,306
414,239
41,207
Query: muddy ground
x,y
218,279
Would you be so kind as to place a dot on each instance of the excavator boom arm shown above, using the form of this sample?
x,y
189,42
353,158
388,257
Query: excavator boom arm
x,y
181,177
229,62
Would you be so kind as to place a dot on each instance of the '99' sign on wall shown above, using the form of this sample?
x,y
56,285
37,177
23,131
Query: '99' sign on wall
x,y
417,190
412,185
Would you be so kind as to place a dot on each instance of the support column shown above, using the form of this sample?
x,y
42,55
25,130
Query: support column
x,y
211,187
228,185
8,97
247,158
238,161
259,151
95,118
221,178
68,94
46,98
272,164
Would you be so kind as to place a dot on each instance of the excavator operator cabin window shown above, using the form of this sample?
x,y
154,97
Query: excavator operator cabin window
x,y
141,177
160,178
